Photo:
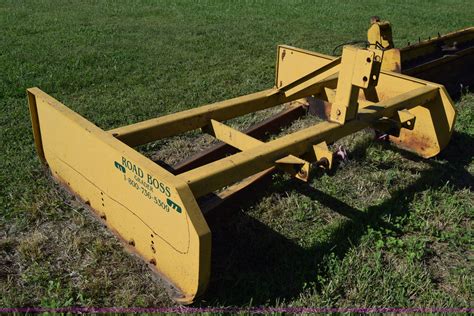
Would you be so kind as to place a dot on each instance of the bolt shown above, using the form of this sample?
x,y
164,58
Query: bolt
x,y
338,112
302,173
323,162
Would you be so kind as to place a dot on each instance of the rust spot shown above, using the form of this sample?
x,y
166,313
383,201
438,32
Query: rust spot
x,y
319,108
398,67
283,54
420,144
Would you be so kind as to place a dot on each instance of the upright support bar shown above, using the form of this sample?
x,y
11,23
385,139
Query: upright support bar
x,y
359,69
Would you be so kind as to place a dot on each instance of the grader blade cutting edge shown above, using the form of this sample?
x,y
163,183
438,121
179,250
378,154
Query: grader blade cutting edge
x,y
156,212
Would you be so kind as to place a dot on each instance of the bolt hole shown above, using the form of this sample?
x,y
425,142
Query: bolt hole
x,y
368,60
88,202
103,204
152,235
152,242
374,77
153,261
409,123
364,79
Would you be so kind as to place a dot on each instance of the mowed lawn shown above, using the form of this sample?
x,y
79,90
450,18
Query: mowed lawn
x,y
385,229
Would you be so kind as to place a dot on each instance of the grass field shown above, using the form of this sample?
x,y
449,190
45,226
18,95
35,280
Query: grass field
x,y
386,229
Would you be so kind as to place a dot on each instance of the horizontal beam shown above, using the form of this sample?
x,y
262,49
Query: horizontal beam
x,y
243,142
174,124
271,125
311,79
218,174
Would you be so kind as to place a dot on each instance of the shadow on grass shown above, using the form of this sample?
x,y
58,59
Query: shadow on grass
x,y
252,264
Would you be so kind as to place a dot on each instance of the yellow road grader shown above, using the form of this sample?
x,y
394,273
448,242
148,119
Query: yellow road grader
x,y
159,213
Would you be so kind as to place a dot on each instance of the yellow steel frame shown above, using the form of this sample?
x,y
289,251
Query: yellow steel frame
x,y
156,213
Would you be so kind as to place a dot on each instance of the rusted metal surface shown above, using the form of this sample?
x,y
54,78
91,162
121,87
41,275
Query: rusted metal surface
x,y
414,143
453,71
319,108
446,59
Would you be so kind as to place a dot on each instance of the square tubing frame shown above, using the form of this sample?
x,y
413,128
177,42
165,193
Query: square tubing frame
x,y
157,213
220,173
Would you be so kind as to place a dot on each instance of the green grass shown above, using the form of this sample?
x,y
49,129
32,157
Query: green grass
x,y
386,229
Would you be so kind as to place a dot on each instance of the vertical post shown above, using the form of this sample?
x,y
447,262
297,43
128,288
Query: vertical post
x,y
360,68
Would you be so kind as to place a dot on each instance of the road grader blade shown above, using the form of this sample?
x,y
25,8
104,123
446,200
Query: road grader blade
x,y
158,212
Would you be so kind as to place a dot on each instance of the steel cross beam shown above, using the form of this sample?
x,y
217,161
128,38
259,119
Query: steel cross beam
x,y
173,124
157,213
220,173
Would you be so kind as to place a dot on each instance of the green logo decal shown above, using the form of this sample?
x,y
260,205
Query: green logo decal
x,y
173,205
119,167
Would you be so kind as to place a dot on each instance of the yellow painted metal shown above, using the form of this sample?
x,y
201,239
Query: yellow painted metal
x,y
426,139
379,34
432,129
359,69
142,202
392,60
156,212
233,137
304,85
295,166
294,63
321,151
221,196
228,170
407,119
173,124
